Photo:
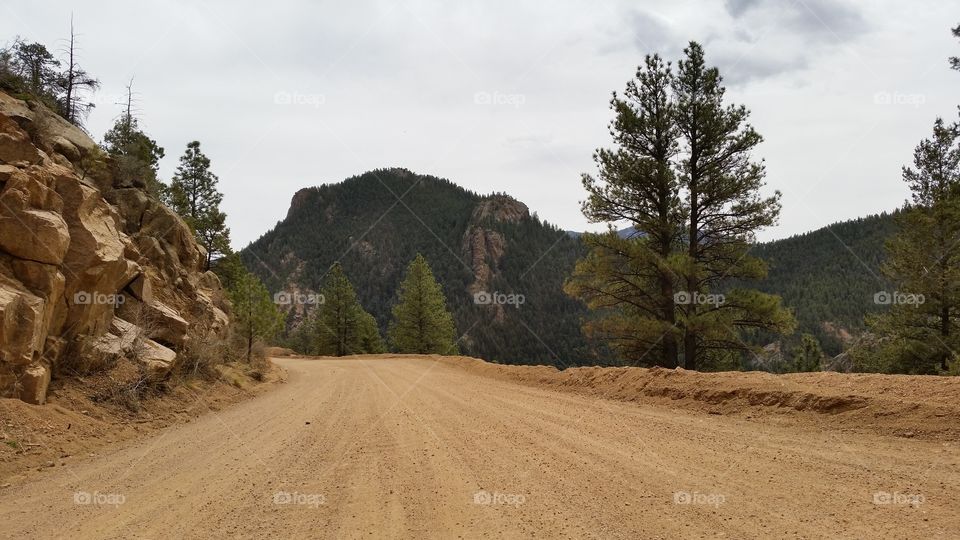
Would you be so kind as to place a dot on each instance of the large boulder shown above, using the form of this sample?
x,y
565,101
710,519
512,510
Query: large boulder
x,y
31,226
15,147
34,383
160,321
21,324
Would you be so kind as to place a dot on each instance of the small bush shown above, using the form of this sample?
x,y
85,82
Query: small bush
x,y
127,386
201,354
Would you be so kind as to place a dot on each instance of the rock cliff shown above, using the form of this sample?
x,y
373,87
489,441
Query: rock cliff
x,y
91,269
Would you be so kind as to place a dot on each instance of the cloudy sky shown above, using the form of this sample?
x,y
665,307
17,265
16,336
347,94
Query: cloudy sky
x,y
508,96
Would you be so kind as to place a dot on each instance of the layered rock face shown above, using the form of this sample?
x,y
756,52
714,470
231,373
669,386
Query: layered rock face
x,y
91,270
484,247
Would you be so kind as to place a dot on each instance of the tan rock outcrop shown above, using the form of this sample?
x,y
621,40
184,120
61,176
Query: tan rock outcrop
x,y
483,246
84,259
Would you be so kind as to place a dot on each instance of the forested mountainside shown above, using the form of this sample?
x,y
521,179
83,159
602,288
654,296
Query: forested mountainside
x,y
492,244
829,276
501,268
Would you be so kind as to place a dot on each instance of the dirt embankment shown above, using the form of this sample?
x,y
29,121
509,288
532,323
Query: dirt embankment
x,y
86,415
902,405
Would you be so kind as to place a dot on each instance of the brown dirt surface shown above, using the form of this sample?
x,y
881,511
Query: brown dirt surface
x,y
419,447
83,416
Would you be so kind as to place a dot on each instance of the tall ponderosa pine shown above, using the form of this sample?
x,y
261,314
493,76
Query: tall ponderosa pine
x,y
924,259
255,316
342,325
683,176
631,280
723,210
193,194
421,322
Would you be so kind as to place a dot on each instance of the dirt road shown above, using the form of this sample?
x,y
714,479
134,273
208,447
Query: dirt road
x,y
380,448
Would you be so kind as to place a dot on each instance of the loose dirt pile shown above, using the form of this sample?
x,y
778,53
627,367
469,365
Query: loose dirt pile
x,y
903,405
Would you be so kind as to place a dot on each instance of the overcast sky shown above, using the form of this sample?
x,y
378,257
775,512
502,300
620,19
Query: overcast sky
x,y
508,96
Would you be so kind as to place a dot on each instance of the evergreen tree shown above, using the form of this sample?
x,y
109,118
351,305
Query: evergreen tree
x,y
955,61
924,261
136,157
807,355
342,326
723,211
683,175
369,334
36,67
632,279
194,195
421,323
229,269
254,314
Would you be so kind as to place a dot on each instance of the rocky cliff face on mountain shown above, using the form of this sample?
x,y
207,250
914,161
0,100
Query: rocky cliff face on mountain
x,y
91,269
484,247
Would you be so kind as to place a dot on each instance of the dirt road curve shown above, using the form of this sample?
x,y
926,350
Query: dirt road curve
x,y
380,448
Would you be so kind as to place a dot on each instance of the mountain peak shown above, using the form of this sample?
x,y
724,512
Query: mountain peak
x,y
501,208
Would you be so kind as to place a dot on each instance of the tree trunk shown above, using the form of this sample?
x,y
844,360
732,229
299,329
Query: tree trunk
x,y
945,333
68,106
670,352
690,338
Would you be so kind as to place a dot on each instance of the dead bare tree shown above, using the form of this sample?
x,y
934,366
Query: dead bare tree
x,y
75,82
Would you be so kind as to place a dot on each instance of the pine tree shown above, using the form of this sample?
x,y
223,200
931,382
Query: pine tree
x,y
634,277
723,211
924,261
255,316
955,61
229,269
136,157
36,67
342,325
807,355
421,322
369,334
194,195
683,176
